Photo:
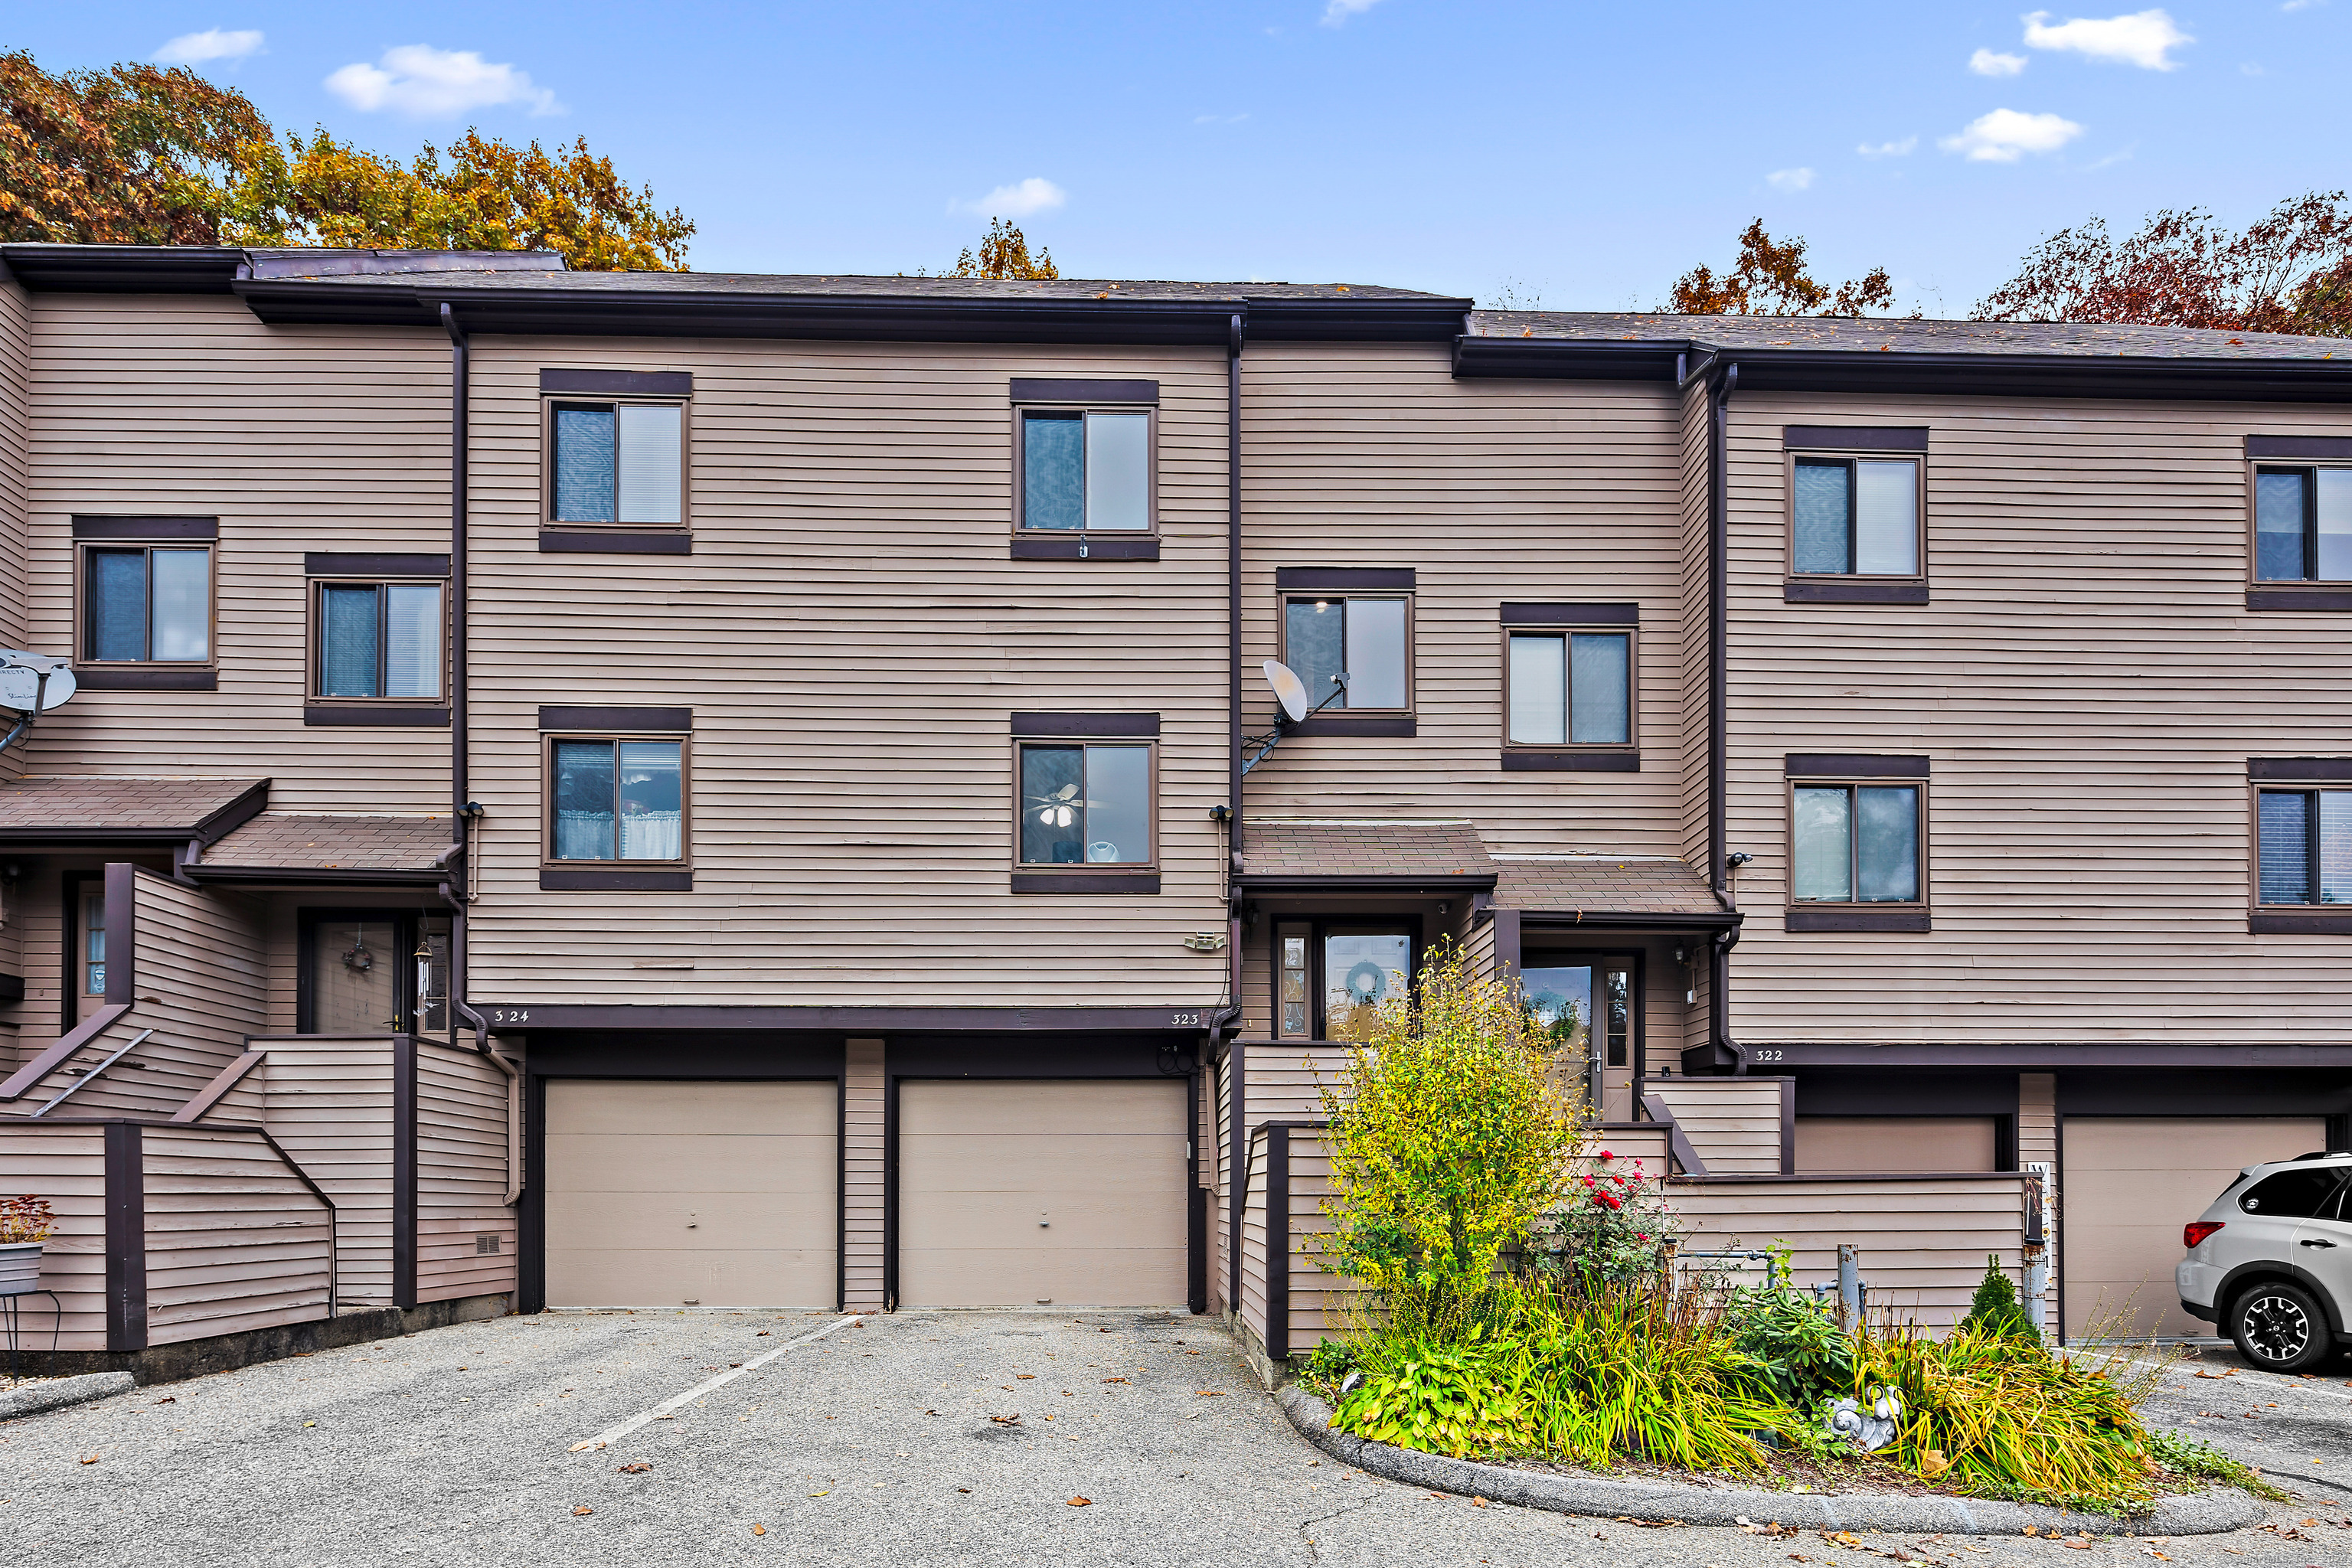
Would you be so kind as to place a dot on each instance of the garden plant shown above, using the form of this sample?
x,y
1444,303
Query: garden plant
x,y
1522,1300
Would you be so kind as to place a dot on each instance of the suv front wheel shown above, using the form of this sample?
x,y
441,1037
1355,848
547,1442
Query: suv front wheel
x,y
2279,1328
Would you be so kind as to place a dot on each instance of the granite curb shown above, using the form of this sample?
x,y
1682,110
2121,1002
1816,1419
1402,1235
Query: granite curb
x,y
2200,1513
59,1391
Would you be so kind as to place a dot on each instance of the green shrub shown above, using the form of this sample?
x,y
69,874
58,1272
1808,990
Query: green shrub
x,y
1993,1413
1800,1357
1450,1399
1996,1311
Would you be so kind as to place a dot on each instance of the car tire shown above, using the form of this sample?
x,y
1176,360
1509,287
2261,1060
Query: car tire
x,y
2280,1327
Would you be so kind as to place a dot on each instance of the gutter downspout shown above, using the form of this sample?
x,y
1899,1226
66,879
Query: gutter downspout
x,y
460,816
1228,1020
1719,665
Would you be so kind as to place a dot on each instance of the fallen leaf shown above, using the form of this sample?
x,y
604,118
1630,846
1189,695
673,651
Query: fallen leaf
x,y
963,1489
1012,1420
634,1468
91,1460
761,1335
2075,1545
826,1493
1477,1503
582,1511
1114,1380
1209,1393
1082,1502
576,1448
1025,1377
2309,1523
759,1529
169,1399
309,1422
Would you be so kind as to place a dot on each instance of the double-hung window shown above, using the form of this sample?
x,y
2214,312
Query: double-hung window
x,y
1567,685
1856,513
1084,468
147,603
1857,843
616,799
615,467
379,640
1086,802
2303,846
2303,524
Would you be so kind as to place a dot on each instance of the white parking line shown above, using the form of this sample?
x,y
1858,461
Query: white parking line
x,y
700,1389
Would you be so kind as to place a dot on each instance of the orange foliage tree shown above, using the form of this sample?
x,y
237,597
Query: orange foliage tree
x,y
1004,253
1770,278
2289,271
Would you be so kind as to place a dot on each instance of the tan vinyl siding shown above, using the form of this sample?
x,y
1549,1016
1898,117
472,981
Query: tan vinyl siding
x,y
865,1171
65,1163
1645,1143
461,1175
1733,1123
1321,1302
1221,1243
16,409
329,1108
1286,1078
1923,1242
234,1240
1253,1237
297,439
852,812
2088,684
1363,455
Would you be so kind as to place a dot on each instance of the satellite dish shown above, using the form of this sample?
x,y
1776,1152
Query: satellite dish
x,y
21,685
1288,688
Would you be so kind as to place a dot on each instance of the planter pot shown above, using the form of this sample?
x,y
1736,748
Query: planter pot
x,y
20,1267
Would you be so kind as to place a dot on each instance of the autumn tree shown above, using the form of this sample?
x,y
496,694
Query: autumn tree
x,y
1004,253
129,155
2288,271
1770,278
138,155
488,195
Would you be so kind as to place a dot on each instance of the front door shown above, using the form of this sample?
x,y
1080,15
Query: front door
x,y
375,972
1587,1002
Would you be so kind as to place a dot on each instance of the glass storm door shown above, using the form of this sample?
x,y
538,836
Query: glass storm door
x,y
1585,1004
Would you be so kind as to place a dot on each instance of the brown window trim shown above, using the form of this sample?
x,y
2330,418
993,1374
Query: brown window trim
x,y
2289,775
570,878
1079,730
1053,389
1088,543
576,540
617,875
666,384
1801,587
1109,879
1847,771
2321,594
318,709
145,674
1570,756
562,528
375,567
634,721
375,711
1292,583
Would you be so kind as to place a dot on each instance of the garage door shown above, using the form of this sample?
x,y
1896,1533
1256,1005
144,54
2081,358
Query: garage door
x,y
1870,1144
2126,1187
1019,1193
706,1193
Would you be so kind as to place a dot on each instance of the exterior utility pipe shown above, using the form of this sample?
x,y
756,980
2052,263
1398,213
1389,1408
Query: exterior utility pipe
x,y
1719,670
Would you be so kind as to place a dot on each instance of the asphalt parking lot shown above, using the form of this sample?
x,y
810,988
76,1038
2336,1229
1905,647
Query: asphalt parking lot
x,y
894,1442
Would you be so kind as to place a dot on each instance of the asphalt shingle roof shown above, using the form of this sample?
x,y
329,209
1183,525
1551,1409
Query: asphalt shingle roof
x,y
284,841
70,806
1874,333
1355,850
1600,884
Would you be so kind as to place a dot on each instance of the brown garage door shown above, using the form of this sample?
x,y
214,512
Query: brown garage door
x,y
1018,1194
1870,1144
706,1193
2128,1183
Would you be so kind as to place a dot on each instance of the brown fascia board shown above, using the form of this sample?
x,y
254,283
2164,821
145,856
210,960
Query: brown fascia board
x,y
1472,882
124,268
1629,919
674,313
2046,1056
535,1018
1893,371
263,877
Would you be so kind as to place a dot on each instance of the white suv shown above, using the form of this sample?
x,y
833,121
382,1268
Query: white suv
x,y
2271,1261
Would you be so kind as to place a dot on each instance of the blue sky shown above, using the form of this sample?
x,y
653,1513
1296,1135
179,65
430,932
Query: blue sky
x,y
1583,155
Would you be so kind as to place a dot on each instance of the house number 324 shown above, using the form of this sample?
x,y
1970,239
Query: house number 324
x,y
509,1015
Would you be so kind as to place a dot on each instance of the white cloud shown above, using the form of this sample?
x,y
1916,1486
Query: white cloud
x,y
1336,12
1030,198
1889,148
1789,179
2006,135
196,49
1985,62
416,79
2144,38
2301,5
